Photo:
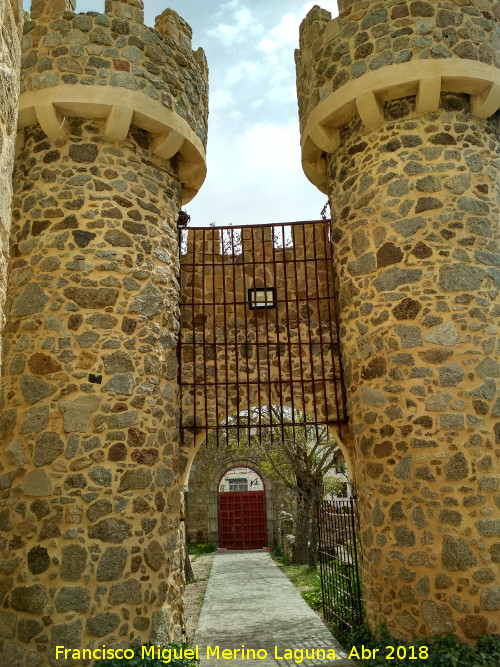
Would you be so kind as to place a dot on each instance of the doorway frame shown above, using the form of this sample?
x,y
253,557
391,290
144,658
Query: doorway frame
x,y
213,497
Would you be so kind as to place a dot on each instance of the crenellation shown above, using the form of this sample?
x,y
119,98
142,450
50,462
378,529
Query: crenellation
x,y
173,26
335,56
42,10
129,10
313,24
291,243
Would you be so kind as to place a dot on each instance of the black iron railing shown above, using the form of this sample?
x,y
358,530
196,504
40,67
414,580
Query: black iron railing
x,y
340,565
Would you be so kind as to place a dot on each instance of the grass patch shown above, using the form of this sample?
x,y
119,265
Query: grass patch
x,y
200,549
302,576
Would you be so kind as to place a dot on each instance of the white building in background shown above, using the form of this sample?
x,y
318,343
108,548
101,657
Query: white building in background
x,y
340,473
241,479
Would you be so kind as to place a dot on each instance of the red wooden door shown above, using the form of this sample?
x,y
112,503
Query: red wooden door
x,y
242,520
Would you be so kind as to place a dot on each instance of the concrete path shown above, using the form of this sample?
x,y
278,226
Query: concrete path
x,y
250,602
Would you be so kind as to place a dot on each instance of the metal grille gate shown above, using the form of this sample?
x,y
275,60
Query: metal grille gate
x,y
339,557
241,346
258,348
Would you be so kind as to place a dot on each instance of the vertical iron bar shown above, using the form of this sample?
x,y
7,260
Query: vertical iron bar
x,y
255,319
268,331
203,346
299,334
193,342
320,322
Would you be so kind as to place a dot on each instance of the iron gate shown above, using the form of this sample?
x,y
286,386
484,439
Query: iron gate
x,y
339,557
242,520
258,347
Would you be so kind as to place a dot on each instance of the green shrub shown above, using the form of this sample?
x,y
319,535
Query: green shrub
x,y
280,557
148,661
200,549
314,598
443,651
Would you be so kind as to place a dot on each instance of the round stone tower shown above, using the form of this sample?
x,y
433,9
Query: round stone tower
x,y
112,124
398,107
11,21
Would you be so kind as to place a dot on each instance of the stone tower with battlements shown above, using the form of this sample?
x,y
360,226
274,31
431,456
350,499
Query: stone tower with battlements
x,y
398,105
111,142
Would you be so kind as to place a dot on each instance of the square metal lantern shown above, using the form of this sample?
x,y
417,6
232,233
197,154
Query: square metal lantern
x,y
261,297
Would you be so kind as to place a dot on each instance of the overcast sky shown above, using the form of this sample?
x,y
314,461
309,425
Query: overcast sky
x,y
253,153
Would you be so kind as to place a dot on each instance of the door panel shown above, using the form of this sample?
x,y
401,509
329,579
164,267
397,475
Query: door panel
x,y
242,520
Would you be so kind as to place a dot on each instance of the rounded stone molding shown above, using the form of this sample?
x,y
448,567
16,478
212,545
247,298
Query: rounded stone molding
x,y
365,96
50,107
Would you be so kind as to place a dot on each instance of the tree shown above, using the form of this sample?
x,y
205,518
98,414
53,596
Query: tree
x,y
293,451
299,453
335,485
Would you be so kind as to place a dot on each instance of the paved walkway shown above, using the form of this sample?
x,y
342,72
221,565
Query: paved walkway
x,y
250,602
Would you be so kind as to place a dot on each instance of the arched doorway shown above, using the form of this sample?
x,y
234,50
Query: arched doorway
x,y
241,509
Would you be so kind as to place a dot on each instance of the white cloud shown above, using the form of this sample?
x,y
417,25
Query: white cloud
x,y
256,104
284,34
244,24
329,5
221,99
248,70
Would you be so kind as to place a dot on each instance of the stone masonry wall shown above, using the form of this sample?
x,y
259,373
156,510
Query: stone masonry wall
x,y
11,18
417,260
90,423
415,216
91,546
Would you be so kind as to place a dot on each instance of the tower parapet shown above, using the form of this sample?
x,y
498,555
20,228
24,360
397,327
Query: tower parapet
x,y
342,66
112,125
398,108
111,66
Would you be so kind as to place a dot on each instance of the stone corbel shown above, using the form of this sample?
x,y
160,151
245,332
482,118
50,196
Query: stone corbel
x,y
314,165
428,94
170,133
167,145
369,110
326,138
51,121
118,123
190,172
425,79
486,103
